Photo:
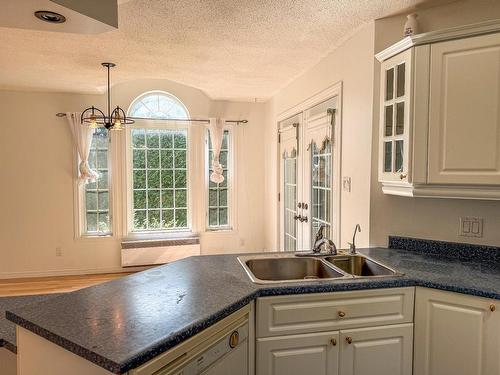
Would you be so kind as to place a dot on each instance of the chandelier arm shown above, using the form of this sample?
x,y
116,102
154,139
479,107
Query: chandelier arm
x,y
92,109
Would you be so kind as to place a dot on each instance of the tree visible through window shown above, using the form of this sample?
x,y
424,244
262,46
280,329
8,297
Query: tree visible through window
x,y
160,192
97,217
159,165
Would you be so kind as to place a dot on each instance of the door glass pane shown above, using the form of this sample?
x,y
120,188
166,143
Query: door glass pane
x,y
401,81
400,118
290,203
321,190
387,156
399,156
389,84
388,120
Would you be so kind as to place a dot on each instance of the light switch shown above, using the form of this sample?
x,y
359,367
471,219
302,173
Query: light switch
x,y
471,226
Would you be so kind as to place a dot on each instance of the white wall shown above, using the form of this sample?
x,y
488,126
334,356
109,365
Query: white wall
x,y
352,64
425,217
37,168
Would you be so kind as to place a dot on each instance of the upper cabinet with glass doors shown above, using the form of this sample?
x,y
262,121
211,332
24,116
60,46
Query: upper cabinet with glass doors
x,y
439,130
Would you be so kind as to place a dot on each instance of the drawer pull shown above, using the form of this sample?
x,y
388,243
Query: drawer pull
x,y
492,307
341,314
348,339
333,342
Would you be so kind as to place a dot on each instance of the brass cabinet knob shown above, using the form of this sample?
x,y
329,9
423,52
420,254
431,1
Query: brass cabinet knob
x,y
348,340
341,314
234,339
402,176
333,342
492,307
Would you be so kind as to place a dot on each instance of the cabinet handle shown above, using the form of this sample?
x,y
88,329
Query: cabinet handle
x,y
333,342
348,339
402,176
492,307
341,314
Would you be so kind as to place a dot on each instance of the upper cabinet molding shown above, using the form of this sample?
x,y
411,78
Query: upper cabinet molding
x,y
458,32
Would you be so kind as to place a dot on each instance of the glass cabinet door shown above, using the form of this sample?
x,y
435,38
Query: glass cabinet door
x,y
395,119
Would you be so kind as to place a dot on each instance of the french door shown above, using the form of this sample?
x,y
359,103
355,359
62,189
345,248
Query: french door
x,y
307,193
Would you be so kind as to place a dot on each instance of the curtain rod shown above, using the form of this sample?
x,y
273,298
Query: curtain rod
x,y
60,114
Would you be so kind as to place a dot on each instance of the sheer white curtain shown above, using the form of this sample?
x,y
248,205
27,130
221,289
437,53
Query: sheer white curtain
x,y
82,138
216,129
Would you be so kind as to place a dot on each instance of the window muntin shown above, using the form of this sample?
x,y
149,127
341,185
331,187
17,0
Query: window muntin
x,y
159,179
219,194
157,104
97,219
290,201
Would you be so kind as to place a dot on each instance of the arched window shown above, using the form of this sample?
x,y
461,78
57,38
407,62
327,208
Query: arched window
x,y
158,104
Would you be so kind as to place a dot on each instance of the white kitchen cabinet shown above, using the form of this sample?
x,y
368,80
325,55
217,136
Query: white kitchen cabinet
x,y
311,354
464,120
347,333
440,114
377,350
456,334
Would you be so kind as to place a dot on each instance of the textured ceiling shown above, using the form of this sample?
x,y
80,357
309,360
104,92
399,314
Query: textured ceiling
x,y
231,49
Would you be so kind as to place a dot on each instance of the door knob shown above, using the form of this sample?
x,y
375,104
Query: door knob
x,y
303,219
402,176
333,342
296,217
348,339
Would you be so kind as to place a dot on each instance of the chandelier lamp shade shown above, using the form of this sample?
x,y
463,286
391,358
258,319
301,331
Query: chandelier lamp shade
x,y
114,119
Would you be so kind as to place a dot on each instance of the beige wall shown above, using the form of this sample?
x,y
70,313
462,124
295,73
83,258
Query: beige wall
x,y
424,217
37,166
352,64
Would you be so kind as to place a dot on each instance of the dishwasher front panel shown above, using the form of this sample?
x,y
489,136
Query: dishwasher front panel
x,y
229,356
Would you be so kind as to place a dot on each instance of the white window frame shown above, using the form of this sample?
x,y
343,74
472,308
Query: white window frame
x,y
230,185
79,204
128,220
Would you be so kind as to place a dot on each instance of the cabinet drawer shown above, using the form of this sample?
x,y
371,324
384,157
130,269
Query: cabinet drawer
x,y
283,315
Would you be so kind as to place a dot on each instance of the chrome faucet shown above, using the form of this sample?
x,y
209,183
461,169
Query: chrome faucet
x,y
352,245
320,240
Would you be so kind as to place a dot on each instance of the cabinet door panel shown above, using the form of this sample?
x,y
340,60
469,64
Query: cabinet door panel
x,y
455,334
311,354
464,129
377,351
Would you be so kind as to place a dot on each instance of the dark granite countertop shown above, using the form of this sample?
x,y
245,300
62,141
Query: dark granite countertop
x,y
7,329
124,323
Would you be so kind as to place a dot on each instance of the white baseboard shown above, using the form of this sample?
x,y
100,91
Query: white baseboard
x,y
68,272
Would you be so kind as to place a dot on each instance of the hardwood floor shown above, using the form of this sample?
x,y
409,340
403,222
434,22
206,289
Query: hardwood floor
x,y
56,284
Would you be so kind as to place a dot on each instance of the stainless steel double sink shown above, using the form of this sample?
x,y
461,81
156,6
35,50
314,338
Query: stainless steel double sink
x,y
287,267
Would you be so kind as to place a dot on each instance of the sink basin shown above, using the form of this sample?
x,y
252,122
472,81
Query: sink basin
x,y
264,270
360,266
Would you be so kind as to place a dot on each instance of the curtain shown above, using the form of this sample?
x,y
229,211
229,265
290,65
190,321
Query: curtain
x,y
216,128
82,138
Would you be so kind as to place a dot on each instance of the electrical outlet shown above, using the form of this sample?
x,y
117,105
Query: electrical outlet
x,y
59,251
346,184
471,226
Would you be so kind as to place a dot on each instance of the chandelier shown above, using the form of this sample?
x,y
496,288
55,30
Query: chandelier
x,y
114,120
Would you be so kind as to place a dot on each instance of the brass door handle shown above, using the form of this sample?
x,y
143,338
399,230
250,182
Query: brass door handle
x,y
341,314
333,342
402,176
348,339
492,307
